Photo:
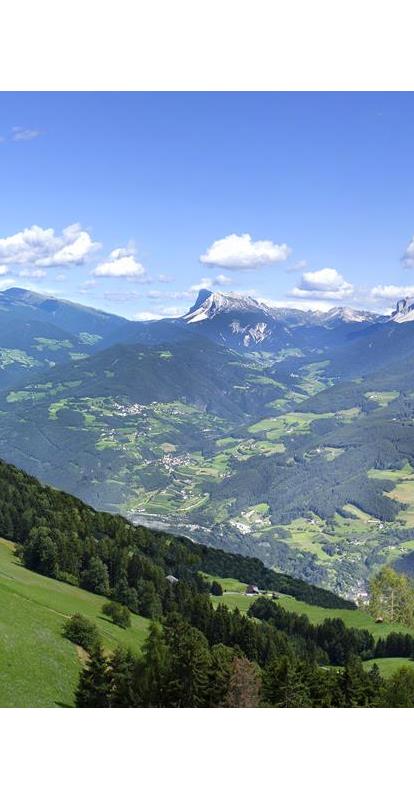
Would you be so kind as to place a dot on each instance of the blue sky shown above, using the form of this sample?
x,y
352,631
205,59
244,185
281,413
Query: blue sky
x,y
131,202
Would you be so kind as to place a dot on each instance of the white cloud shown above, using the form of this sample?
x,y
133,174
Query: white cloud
x,y
40,247
222,280
120,264
204,283
408,257
156,294
146,316
210,283
323,284
32,273
173,311
303,305
6,283
236,252
392,292
163,278
24,134
4,270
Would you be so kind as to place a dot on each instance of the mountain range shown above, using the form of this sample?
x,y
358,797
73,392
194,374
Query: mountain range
x,y
274,432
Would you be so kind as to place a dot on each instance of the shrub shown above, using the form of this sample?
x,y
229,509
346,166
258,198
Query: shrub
x,y
119,614
216,589
82,631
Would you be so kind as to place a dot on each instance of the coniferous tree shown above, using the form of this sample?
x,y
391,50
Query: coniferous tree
x,y
94,683
122,665
353,683
155,667
220,672
187,683
283,684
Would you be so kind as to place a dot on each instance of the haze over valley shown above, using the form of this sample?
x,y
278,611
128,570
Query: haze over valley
x,y
279,433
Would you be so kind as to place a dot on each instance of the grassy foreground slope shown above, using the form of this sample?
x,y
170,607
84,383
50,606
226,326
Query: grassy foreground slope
x,y
39,667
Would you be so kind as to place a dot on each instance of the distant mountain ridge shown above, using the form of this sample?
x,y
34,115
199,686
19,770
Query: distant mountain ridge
x,y
264,430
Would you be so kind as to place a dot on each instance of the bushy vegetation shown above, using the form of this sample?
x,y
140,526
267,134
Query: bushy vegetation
x,y
81,631
119,614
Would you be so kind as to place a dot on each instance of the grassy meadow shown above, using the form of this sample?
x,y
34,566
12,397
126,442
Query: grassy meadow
x,y
39,667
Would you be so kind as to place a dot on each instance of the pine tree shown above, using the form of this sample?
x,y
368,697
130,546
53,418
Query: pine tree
x,y
94,683
219,674
155,667
283,684
187,684
353,683
121,679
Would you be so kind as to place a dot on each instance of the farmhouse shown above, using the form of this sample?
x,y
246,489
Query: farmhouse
x,y
252,589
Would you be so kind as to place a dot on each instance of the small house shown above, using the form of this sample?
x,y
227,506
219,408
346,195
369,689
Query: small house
x,y
379,619
252,589
172,579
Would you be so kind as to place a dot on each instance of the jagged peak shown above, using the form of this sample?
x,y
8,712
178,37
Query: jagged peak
x,y
208,304
404,310
347,314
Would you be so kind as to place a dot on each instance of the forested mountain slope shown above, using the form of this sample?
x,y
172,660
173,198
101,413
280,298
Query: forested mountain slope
x,y
299,452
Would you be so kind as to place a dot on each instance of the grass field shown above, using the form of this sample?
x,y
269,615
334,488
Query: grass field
x,y
316,614
39,667
387,666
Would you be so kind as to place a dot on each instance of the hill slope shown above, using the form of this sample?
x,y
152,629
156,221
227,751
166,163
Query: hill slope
x,y
39,667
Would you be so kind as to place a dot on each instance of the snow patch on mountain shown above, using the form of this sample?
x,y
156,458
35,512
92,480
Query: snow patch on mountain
x,y
214,303
404,311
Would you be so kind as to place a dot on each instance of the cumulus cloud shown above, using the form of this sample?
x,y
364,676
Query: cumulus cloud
x,y
325,284
41,247
210,283
24,134
32,273
236,252
4,270
204,283
408,257
120,264
303,305
146,316
391,292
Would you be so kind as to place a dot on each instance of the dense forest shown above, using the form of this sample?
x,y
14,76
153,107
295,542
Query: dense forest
x,y
63,538
204,657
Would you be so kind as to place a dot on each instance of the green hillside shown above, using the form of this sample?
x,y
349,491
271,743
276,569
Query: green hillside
x,y
39,667
352,618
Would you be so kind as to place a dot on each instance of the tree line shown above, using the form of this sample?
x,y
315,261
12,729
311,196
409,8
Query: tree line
x,y
59,536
